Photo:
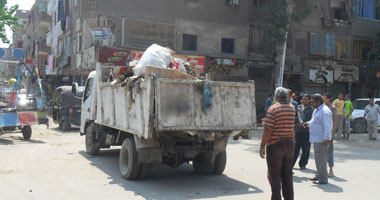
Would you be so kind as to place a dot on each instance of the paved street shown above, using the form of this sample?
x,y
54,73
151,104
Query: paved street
x,y
54,165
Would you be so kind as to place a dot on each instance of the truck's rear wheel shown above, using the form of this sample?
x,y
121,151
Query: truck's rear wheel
x,y
220,163
128,160
27,132
92,144
202,165
145,170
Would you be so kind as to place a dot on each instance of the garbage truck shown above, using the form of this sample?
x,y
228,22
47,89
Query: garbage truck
x,y
164,116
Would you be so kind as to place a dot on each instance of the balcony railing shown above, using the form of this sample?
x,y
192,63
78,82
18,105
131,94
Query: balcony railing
x,y
365,27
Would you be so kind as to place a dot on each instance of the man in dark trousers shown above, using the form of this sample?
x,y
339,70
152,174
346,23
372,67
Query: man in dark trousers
x,y
278,138
305,112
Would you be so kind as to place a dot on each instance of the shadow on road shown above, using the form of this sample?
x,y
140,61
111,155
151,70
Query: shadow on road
x,y
330,188
5,141
72,130
10,140
170,183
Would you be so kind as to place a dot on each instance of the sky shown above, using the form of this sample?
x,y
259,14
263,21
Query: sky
x,y
23,5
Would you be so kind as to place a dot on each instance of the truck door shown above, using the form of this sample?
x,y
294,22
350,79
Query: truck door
x,y
86,103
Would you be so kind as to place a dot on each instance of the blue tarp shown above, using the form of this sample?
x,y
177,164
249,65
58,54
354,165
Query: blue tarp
x,y
364,8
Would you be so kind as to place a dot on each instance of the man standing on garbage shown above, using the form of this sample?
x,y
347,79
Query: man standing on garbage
x,y
339,105
278,138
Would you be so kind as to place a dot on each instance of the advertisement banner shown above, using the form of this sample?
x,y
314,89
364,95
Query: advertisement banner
x,y
113,56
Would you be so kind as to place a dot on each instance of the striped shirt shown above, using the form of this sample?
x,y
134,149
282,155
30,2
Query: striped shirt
x,y
280,119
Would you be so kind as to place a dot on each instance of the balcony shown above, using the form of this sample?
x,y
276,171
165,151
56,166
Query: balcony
x,y
366,27
43,49
44,21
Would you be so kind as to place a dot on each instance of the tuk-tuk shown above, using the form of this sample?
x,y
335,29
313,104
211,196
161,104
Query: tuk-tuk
x,y
67,107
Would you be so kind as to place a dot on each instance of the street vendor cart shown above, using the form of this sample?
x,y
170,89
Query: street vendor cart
x,y
26,105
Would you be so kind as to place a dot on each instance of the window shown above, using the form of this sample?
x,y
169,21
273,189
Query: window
x,y
228,45
362,49
189,42
256,36
340,13
341,48
377,12
87,91
301,47
258,3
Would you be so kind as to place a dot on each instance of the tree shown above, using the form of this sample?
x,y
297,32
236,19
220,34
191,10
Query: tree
x,y
277,31
7,19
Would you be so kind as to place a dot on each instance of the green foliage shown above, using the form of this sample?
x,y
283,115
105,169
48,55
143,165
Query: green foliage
x,y
7,19
277,24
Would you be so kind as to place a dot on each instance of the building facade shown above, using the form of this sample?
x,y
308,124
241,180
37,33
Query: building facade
x,y
331,46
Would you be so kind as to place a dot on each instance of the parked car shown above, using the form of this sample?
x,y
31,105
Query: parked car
x,y
67,107
358,123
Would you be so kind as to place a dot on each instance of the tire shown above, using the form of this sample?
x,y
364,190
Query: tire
x,y
145,170
128,160
220,163
92,144
359,126
202,165
66,125
27,132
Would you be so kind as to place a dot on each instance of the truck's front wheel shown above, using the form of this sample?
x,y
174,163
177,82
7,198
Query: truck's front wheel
x,y
92,144
128,160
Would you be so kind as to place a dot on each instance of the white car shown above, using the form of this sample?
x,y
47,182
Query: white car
x,y
358,123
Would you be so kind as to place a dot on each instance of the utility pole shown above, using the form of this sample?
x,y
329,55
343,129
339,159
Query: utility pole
x,y
278,74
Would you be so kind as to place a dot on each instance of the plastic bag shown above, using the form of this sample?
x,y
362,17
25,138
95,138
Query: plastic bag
x,y
155,55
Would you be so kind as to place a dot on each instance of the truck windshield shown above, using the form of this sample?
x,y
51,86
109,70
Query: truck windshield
x,y
360,104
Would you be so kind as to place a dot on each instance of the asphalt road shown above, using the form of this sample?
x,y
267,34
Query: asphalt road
x,y
54,165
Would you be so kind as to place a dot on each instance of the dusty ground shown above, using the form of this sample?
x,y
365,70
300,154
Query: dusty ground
x,y
54,165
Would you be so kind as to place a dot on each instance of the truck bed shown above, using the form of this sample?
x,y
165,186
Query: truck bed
x,y
164,104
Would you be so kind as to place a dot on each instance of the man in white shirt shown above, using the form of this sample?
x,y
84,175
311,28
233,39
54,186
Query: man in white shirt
x,y
371,111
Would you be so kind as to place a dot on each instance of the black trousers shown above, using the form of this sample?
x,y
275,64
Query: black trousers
x,y
302,142
279,161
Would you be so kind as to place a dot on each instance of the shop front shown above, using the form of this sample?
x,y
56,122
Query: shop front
x,y
329,75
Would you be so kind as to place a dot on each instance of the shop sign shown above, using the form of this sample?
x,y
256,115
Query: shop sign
x,y
322,44
136,55
11,54
113,56
198,62
321,74
346,73
142,34
100,33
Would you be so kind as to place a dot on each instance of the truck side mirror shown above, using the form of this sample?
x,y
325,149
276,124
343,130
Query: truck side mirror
x,y
75,88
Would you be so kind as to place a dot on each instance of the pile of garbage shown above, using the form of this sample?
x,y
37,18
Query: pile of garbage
x,y
155,56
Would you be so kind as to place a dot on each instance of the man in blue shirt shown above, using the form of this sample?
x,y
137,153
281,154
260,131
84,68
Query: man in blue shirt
x,y
268,102
320,127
